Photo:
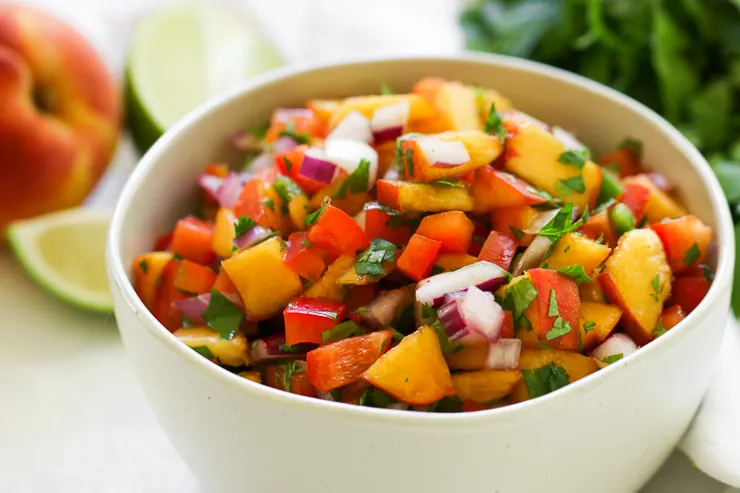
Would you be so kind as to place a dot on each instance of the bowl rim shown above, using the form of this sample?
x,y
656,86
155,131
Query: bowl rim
x,y
118,276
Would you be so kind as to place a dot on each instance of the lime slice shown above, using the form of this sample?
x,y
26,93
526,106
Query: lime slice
x,y
183,55
64,253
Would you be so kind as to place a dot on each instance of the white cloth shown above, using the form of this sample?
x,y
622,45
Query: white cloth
x,y
307,30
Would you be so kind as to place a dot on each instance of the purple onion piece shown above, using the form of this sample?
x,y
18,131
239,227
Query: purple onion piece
x,y
504,355
472,315
492,285
283,144
210,184
386,134
244,141
317,169
439,164
256,235
193,308
229,191
660,181
270,348
266,160
430,291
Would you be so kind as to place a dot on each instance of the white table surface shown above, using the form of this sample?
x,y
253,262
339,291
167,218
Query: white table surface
x,y
72,417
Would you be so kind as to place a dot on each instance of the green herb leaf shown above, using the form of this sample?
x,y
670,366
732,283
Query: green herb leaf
x,y
344,330
613,358
290,368
203,351
692,255
314,216
659,330
409,155
357,182
176,256
427,311
633,145
270,204
589,326
446,184
397,336
574,184
287,188
243,224
518,297
576,272
144,267
494,124
561,224
380,207
385,89
516,232
541,381
708,274
222,315
657,288
552,309
444,341
559,328
296,348
574,157
288,164
437,270
306,243
290,131
370,261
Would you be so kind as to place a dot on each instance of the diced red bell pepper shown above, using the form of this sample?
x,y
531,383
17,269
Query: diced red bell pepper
x,y
499,249
303,258
381,224
289,163
671,316
419,257
299,382
336,231
193,240
625,159
307,318
343,362
507,331
494,189
599,227
194,278
167,292
163,243
453,229
480,233
304,122
568,302
635,196
219,170
688,292
259,201
470,406
685,241
223,283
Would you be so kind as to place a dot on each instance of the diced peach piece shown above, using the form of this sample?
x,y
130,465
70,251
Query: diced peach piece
x,y
685,241
148,270
577,249
576,365
558,308
453,261
659,205
485,385
421,197
598,320
470,356
419,108
326,288
224,233
494,189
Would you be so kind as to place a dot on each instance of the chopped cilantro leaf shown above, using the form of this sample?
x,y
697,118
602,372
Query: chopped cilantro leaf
x,y
385,89
494,124
203,351
518,297
290,368
370,261
574,184
552,309
613,358
314,216
692,255
589,326
600,239
222,315
657,288
574,157
633,145
270,204
177,256
559,329
344,330
243,224
290,131
295,348
444,341
576,272
288,164
659,330
516,232
446,183
397,336
286,188
427,311
708,274
306,243
541,381
374,397
384,208
144,266
437,270
357,182
409,155
561,224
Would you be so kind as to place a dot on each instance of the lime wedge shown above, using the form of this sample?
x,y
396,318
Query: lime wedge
x,y
64,253
183,55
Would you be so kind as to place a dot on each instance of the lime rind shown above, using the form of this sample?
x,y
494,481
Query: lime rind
x,y
64,253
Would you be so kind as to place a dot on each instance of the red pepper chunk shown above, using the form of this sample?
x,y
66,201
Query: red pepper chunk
x,y
304,122
671,316
336,231
192,239
303,258
307,318
299,382
381,224
688,292
343,362
289,163
499,249
166,293
625,159
453,229
635,196
419,257
194,278
685,241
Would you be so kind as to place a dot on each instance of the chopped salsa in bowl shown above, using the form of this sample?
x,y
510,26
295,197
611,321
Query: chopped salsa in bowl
x,y
434,251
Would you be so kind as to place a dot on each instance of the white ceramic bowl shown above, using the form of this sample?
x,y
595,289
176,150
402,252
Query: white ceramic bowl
x,y
607,433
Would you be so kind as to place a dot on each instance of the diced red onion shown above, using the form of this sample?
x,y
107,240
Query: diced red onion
x,y
266,160
540,220
384,309
398,406
474,315
268,348
661,182
615,344
284,144
245,141
504,355
443,153
317,166
193,308
347,154
453,296
484,275
255,235
354,126
568,139
229,191
387,122
210,184
284,115
532,256
325,396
